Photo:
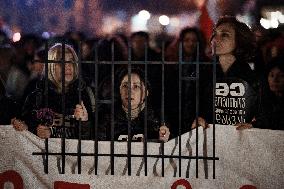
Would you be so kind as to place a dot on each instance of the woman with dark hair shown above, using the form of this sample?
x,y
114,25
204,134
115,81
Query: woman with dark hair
x,y
133,112
189,37
138,41
193,45
271,112
19,74
105,53
236,84
36,72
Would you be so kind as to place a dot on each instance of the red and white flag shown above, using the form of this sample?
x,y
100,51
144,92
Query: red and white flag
x,y
209,16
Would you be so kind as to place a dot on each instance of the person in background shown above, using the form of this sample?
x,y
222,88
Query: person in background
x,y
189,38
105,53
139,41
36,69
7,60
50,116
19,73
271,113
270,44
134,112
4,27
192,45
8,107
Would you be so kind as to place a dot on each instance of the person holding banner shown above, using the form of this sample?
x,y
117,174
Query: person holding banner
x,y
45,113
133,113
236,88
271,113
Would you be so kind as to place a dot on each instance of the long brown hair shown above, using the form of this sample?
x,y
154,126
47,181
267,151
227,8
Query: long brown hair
x,y
245,41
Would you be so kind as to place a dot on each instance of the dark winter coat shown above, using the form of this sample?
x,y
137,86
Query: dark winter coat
x,y
8,110
237,89
271,112
48,110
121,125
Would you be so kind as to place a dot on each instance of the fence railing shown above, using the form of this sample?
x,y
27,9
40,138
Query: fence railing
x,y
146,63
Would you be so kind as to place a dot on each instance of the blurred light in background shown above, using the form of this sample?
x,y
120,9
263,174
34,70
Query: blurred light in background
x,y
45,35
139,21
265,23
174,22
271,18
111,24
245,19
16,37
143,14
274,23
174,26
153,25
164,20
277,15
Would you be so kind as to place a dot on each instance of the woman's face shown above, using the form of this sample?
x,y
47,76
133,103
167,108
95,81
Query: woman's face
x,y
276,81
38,66
69,69
137,91
224,39
189,43
86,50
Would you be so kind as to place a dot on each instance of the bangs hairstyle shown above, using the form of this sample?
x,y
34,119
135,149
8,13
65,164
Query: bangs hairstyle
x,y
199,36
55,53
139,72
244,38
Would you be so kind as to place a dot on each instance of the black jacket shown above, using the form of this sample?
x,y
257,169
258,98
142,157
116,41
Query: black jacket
x,y
271,112
237,97
47,110
121,125
8,110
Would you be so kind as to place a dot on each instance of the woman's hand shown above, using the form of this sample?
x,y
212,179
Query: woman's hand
x,y
81,112
242,126
164,133
19,125
43,131
201,122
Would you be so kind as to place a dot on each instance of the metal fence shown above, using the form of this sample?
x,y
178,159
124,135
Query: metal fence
x,y
129,64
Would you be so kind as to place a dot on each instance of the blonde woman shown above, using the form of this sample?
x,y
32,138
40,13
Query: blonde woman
x,y
46,114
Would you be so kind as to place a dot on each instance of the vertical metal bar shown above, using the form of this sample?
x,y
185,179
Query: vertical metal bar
x,y
46,101
129,112
96,108
163,85
179,102
63,106
214,116
197,104
145,146
163,105
80,100
112,109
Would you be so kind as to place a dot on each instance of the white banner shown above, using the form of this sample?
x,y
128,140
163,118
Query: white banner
x,y
247,159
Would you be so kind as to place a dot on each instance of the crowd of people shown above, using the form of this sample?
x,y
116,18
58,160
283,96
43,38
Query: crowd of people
x,y
236,78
